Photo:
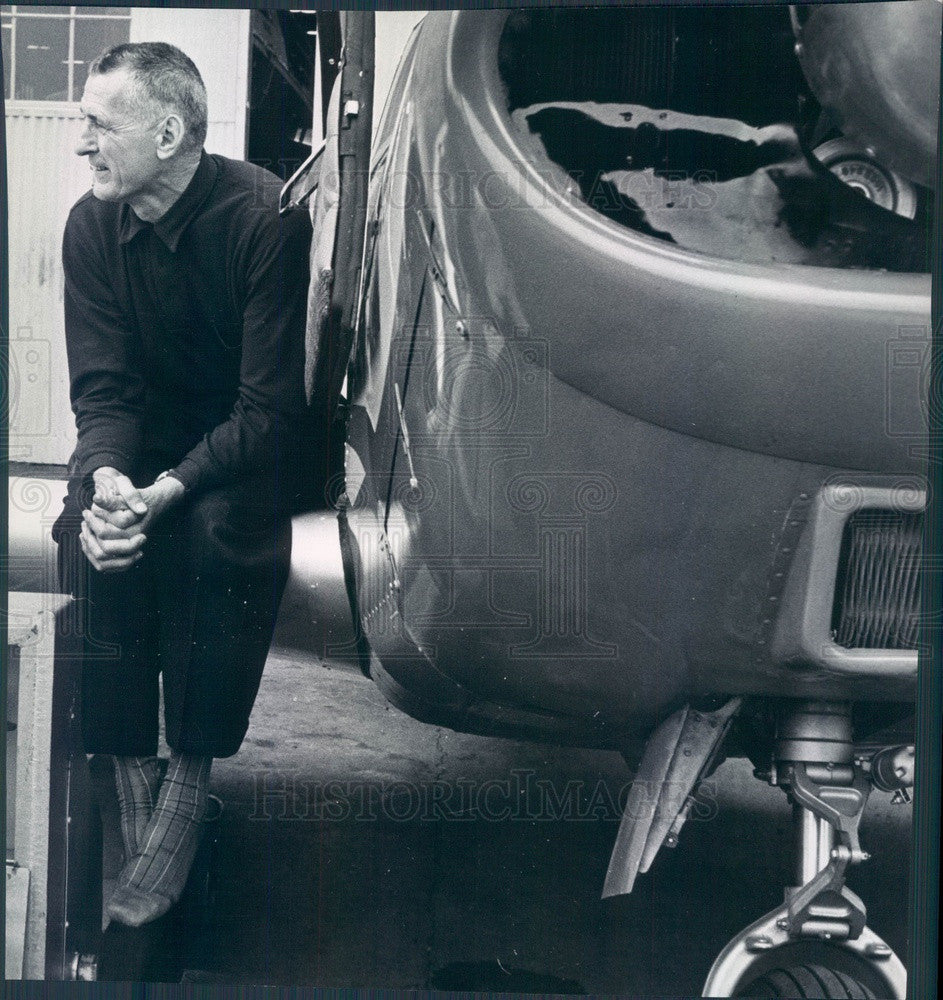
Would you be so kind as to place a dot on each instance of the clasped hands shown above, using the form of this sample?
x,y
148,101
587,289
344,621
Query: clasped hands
x,y
114,529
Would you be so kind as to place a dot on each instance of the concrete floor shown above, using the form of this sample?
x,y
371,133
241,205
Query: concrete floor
x,y
362,848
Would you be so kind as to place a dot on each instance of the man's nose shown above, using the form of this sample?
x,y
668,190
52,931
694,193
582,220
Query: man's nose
x,y
86,143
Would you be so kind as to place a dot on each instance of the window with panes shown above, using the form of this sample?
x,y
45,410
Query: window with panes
x,y
47,50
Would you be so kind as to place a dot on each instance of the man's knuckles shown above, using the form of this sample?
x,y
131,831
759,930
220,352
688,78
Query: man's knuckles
x,y
105,544
103,561
108,527
120,518
119,547
108,502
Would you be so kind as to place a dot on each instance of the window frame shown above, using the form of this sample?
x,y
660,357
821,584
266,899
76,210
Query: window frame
x,y
71,14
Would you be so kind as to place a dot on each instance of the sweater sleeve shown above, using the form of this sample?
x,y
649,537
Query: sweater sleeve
x,y
105,384
268,414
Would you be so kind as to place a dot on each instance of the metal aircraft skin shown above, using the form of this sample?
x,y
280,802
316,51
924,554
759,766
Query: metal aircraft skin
x,y
636,407
619,450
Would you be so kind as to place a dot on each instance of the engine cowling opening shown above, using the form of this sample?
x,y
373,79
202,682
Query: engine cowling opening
x,y
697,127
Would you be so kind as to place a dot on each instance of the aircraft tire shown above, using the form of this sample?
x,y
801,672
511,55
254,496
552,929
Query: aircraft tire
x,y
806,982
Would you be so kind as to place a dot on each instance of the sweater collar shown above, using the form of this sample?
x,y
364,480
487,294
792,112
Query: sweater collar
x,y
170,226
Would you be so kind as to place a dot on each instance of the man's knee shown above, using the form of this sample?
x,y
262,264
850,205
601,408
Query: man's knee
x,y
204,512
233,515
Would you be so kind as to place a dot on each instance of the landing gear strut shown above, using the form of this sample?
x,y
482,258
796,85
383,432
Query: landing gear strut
x,y
815,764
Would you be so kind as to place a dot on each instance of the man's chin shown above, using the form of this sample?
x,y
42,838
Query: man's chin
x,y
105,191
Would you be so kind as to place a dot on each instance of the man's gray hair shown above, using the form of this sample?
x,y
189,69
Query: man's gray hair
x,y
164,76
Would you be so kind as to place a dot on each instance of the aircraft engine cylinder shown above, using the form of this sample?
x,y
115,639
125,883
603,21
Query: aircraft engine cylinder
x,y
815,732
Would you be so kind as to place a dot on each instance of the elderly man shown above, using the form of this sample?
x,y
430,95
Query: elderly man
x,y
185,298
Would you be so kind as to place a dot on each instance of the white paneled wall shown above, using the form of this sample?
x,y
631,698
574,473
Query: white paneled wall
x,y
44,178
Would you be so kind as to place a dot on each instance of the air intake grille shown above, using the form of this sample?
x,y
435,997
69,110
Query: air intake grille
x,y
877,594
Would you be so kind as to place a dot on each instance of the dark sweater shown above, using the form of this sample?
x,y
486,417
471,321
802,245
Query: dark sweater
x,y
185,337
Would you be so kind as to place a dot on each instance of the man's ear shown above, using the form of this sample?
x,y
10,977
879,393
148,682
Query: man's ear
x,y
170,136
